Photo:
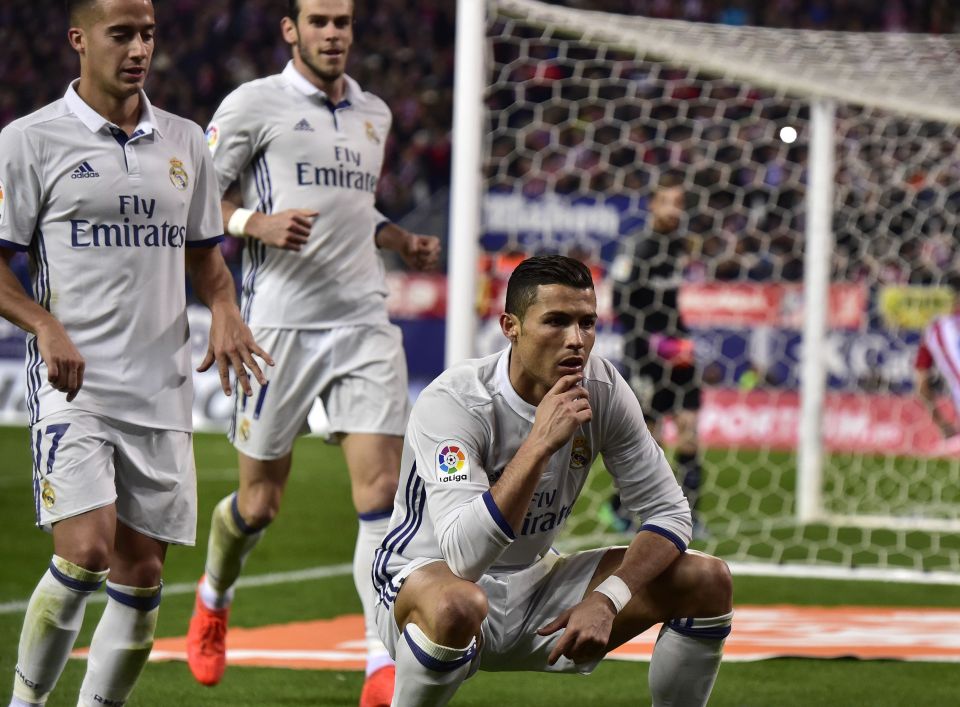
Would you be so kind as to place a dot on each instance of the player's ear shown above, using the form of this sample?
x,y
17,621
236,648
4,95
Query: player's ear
x,y
77,39
288,28
510,326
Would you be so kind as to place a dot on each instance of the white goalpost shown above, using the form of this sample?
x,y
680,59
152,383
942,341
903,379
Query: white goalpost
x,y
819,457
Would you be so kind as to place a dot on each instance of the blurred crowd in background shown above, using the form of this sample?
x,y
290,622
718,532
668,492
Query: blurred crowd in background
x,y
745,186
936,16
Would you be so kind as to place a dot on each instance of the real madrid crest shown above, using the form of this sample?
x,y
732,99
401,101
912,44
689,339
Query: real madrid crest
x,y
372,133
580,453
178,175
244,430
47,495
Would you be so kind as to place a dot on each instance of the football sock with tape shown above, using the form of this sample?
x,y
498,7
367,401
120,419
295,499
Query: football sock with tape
x,y
686,660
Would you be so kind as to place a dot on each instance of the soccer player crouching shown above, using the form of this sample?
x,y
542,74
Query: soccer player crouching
x,y
496,453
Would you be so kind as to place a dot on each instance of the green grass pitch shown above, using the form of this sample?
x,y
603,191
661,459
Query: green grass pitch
x,y
316,527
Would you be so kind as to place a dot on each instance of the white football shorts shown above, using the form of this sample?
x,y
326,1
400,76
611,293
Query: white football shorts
x,y
519,603
359,374
83,461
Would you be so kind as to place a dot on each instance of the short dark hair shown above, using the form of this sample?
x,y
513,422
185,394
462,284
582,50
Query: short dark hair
x,y
543,270
74,7
293,9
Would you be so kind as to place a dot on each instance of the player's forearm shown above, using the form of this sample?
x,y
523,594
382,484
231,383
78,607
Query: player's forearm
x,y
16,306
514,489
211,279
391,237
645,559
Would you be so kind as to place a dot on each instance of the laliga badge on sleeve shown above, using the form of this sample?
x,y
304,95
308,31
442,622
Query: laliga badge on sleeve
x,y
452,462
213,137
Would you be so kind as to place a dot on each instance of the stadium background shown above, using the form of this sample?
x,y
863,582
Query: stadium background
x,y
404,53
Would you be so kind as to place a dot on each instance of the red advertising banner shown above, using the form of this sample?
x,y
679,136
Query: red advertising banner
x,y
860,423
712,304
744,304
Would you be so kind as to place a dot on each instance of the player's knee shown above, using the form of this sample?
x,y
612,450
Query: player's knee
x,y
717,582
90,553
141,571
457,615
260,506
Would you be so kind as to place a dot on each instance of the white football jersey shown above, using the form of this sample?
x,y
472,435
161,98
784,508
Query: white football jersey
x,y
942,339
467,426
105,220
290,147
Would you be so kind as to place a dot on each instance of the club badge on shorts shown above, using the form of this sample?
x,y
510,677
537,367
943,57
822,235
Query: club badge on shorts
x,y
47,495
244,431
452,462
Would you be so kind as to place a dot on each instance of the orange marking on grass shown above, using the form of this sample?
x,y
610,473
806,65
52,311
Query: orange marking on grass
x,y
759,632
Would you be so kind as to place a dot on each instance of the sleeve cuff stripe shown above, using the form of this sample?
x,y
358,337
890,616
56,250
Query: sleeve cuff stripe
x,y
19,247
382,224
497,515
681,546
205,243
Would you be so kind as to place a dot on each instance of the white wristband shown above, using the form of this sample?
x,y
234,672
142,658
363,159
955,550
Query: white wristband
x,y
238,222
616,590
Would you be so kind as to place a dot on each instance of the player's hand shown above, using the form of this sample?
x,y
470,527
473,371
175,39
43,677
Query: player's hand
x,y
563,409
287,230
65,365
233,346
421,252
588,625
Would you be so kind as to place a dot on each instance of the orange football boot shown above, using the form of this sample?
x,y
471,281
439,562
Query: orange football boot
x,y
378,688
207,643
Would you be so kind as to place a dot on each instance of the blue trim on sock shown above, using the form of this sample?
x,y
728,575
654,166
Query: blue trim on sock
x,y
684,629
76,584
240,522
141,603
681,546
497,515
439,666
375,515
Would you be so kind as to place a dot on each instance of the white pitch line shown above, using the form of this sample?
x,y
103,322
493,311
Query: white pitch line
x,y
261,580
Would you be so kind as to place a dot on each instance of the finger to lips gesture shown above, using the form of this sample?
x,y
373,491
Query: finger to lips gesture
x,y
563,409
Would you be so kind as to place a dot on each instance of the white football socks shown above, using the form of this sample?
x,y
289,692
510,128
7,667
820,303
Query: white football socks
x,y
53,619
686,660
373,526
231,541
121,645
429,674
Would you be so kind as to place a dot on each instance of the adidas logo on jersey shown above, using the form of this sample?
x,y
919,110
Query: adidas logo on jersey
x,y
303,125
84,171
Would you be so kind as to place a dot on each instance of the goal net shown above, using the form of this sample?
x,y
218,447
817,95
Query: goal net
x,y
821,174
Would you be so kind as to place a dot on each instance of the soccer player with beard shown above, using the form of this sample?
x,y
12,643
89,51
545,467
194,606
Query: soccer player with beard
x,y
496,453
307,146
114,201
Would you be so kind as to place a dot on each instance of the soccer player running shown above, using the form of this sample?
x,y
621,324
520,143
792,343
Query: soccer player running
x,y
307,146
657,353
114,201
496,453
938,358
